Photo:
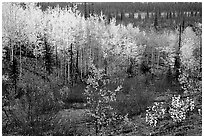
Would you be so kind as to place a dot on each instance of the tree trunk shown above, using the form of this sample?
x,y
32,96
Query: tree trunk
x,y
71,65
64,66
177,60
106,66
77,65
81,64
158,59
152,60
85,62
20,63
56,61
96,126
85,11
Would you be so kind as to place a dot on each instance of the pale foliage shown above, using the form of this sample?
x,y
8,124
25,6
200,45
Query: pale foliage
x,y
178,110
191,62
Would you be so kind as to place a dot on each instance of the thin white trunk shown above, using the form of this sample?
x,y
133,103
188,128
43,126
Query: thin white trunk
x,y
20,63
81,64
64,65
85,60
12,51
68,72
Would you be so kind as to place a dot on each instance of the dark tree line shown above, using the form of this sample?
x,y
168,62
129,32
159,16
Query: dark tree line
x,y
119,9
129,7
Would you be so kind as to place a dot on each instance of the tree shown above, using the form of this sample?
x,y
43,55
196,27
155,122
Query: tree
x,y
85,10
99,100
177,58
130,68
48,53
71,65
156,21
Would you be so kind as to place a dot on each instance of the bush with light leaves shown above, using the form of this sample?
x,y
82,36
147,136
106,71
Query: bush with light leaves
x,y
178,110
99,100
155,113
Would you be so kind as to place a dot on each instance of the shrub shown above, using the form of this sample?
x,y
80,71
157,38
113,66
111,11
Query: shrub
x,y
34,98
135,98
128,104
177,110
100,99
76,94
154,113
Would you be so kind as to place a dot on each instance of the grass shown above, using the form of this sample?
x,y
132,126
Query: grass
x,y
67,122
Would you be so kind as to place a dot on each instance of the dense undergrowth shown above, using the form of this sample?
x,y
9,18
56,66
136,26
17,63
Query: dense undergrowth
x,y
87,77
